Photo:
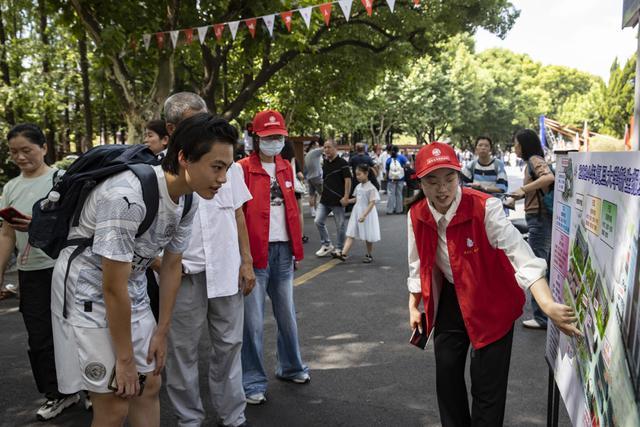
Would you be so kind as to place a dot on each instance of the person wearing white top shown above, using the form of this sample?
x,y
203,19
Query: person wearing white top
x,y
470,266
211,296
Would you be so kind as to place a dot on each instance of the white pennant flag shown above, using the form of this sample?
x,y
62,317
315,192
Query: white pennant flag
x,y
202,33
306,15
174,37
147,41
233,26
392,4
269,21
345,5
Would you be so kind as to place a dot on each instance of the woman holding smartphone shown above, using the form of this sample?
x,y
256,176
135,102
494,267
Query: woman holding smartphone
x,y
470,266
27,148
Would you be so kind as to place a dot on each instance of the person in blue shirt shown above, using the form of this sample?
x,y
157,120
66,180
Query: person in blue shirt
x,y
395,168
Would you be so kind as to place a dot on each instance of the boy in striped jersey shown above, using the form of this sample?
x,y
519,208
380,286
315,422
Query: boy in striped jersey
x,y
485,173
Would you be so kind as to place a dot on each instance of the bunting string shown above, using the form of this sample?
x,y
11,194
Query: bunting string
x,y
251,24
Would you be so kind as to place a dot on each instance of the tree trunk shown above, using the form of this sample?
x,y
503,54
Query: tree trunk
x,y
4,68
48,122
87,140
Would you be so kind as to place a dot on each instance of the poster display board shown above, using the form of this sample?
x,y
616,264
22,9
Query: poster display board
x,y
594,269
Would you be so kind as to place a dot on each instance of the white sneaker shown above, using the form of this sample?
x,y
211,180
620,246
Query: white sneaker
x,y
302,379
54,407
324,250
533,324
256,399
313,212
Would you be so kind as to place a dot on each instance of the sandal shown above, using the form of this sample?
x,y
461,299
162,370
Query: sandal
x,y
339,255
367,259
305,239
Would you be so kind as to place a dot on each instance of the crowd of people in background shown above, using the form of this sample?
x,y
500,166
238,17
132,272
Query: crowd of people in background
x,y
104,321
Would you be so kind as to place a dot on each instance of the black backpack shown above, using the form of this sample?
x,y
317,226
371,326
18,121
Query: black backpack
x,y
50,225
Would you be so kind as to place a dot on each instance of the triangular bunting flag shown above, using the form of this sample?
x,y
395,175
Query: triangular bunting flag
x,y
160,40
233,26
147,40
251,25
306,15
188,34
416,2
345,5
218,30
269,21
325,9
133,43
368,4
202,33
392,4
286,17
174,37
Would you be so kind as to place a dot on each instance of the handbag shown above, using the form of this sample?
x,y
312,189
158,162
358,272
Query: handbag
x,y
298,186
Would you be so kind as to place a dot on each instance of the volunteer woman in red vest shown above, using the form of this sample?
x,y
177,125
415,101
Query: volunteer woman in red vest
x,y
470,266
276,243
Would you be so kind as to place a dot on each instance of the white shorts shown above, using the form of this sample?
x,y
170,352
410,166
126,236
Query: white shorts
x,y
85,357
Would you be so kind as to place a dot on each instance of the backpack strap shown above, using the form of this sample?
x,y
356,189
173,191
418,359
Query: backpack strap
x,y
188,201
81,244
150,194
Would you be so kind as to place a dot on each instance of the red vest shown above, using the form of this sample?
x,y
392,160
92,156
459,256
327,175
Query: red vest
x,y
489,296
257,210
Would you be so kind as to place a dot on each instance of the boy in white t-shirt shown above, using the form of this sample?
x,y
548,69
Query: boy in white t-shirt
x,y
109,338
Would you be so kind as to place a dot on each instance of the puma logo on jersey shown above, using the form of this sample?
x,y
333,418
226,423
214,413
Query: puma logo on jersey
x,y
128,202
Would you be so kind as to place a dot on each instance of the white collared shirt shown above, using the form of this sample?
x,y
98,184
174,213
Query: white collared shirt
x,y
214,245
501,234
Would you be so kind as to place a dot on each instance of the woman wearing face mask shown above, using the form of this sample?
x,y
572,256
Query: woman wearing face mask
x,y
275,238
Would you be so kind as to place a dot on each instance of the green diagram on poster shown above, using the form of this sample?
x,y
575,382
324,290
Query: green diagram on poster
x,y
594,269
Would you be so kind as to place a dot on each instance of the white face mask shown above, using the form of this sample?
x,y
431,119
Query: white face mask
x,y
271,147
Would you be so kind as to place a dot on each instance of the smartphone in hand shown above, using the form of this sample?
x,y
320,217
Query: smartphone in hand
x,y
419,339
10,214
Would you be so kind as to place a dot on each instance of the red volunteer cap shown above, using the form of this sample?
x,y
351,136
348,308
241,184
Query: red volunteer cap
x,y
269,122
436,155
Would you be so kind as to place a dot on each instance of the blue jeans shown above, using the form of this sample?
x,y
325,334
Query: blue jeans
x,y
394,201
540,242
276,281
341,224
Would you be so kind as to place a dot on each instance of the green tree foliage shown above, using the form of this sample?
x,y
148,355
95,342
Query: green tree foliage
x,y
618,97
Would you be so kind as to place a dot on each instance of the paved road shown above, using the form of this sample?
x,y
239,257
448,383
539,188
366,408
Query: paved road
x,y
353,330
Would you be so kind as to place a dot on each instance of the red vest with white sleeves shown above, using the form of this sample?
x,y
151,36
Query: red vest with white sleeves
x,y
489,296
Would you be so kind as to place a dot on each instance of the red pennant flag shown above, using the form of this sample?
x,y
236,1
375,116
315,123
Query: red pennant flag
x,y
218,29
286,17
368,4
325,9
133,43
188,34
160,40
251,25
416,2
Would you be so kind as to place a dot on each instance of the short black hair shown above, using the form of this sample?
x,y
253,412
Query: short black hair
x,y
363,167
483,137
158,126
29,131
530,144
194,136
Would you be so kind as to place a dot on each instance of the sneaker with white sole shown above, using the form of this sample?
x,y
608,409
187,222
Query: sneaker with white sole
x,y
256,399
533,324
325,250
303,378
54,407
